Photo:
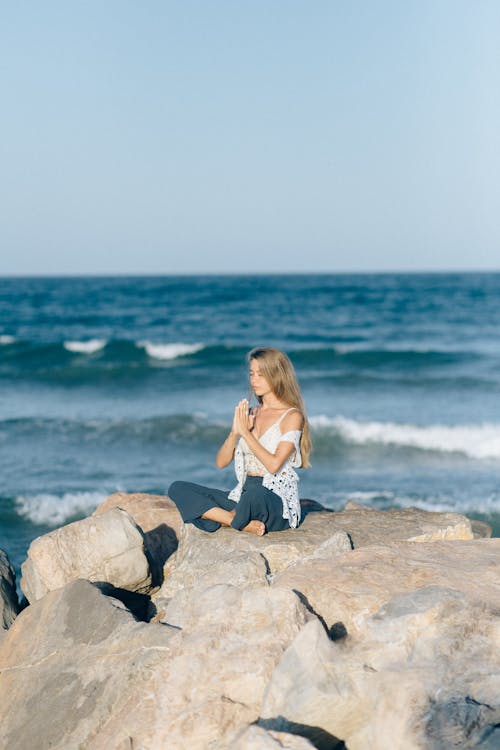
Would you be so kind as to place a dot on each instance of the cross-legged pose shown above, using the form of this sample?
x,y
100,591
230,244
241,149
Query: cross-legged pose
x,y
267,443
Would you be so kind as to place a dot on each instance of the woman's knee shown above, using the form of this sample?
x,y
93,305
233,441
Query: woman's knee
x,y
176,488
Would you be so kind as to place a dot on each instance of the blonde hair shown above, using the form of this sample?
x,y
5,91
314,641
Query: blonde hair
x,y
280,374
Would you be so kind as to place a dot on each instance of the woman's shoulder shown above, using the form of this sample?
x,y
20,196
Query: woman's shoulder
x,y
293,419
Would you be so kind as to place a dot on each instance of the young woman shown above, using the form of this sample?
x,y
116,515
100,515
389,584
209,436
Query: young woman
x,y
267,443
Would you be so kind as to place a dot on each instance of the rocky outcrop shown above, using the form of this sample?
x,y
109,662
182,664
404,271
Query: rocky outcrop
x,y
158,518
9,605
421,672
108,547
76,670
361,629
351,588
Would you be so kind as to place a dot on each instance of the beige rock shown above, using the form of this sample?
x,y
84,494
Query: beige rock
x,y
107,547
157,516
67,662
242,570
425,674
9,606
76,670
353,586
359,527
257,738
367,526
206,556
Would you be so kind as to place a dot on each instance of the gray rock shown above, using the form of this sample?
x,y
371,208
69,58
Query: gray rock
x,y
9,605
367,526
157,516
107,547
206,556
76,670
424,673
257,738
354,586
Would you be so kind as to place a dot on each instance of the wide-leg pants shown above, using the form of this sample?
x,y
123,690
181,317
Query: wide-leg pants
x,y
256,503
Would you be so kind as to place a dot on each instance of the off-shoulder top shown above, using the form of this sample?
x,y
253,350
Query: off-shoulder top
x,y
285,483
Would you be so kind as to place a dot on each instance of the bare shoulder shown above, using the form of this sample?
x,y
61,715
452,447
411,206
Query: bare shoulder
x,y
294,420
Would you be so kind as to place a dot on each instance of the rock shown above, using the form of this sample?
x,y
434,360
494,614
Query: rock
x,y
243,570
257,738
210,556
197,550
157,516
68,662
353,586
368,526
480,529
9,605
424,674
107,547
77,670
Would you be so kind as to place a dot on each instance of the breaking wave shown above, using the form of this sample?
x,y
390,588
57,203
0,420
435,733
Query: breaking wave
x,y
54,510
480,441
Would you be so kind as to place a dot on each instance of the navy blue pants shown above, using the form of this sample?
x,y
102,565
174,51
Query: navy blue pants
x,y
256,503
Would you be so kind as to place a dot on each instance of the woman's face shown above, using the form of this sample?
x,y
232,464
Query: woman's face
x,y
258,383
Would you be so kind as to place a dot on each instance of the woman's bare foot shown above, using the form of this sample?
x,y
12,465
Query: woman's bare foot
x,y
255,527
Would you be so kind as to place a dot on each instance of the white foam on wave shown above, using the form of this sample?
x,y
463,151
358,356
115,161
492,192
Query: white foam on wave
x,y
381,499
480,441
54,510
85,347
6,339
169,351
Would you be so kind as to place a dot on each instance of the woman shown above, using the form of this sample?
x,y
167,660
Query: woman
x,y
267,444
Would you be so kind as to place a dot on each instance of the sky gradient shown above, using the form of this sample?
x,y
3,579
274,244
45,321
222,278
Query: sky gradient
x,y
186,137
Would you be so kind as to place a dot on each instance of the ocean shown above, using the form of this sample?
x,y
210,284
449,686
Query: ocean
x,y
126,384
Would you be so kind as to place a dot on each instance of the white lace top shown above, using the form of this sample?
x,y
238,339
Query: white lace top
x,y
285,483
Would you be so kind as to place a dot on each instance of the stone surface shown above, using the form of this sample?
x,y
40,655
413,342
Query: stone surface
x,y
257,738
357,527
424,674
157,516
207,557
353,586
368,526
107,547
9,605
67,662
77,670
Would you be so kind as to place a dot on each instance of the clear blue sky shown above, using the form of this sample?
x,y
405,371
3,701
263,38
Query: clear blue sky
x,y
272,135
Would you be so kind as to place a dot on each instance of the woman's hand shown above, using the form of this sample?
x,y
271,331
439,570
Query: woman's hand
x,y
242,420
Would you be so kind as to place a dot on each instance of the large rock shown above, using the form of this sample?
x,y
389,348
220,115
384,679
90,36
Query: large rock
x,y
224,556
108,547
157,516
9,605
76,670
368,526
351,587
201,555
68,662
425,675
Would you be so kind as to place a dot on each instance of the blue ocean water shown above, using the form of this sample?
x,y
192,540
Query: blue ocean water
x,y
129,383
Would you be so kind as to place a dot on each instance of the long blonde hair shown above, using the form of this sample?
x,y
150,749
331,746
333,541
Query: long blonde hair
x,y
280,374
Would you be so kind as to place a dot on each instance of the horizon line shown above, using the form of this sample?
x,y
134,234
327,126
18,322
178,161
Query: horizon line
x,y
164,274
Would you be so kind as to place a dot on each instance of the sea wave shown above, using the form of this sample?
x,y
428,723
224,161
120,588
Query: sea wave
x,y
169,351
85,347
5,339
53,510
438,503
479,441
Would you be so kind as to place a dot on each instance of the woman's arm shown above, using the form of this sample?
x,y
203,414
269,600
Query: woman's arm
x,y
272,461
226,451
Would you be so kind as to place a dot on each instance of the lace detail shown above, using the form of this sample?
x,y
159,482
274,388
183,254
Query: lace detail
x,y
285,483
